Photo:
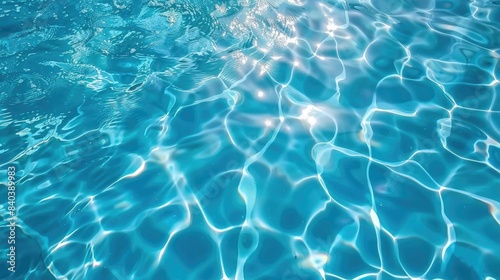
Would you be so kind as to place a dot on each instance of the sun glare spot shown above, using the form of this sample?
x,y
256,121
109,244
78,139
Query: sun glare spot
x,y
307,115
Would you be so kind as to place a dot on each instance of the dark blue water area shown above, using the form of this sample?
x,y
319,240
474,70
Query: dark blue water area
x,y
250,139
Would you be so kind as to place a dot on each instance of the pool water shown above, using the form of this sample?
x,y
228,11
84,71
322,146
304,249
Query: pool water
x,y
251,139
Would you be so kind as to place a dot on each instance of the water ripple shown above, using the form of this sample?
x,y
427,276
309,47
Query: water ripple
x,y
254,139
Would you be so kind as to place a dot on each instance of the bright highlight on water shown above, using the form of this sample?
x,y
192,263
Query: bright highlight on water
x,y
250,139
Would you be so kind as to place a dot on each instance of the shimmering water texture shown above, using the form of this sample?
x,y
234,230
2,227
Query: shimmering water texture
x,y
297,139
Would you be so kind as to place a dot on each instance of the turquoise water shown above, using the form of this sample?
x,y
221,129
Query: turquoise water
x,y
251,139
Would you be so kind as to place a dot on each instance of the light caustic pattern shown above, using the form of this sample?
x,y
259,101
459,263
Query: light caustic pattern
x,y
253,139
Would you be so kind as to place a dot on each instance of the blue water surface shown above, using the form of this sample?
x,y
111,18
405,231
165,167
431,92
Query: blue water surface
x,y
251,139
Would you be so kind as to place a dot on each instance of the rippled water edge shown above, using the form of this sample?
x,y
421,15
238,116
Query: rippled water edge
x,y
278,139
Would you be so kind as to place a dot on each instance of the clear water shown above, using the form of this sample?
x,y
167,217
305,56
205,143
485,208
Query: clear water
x,y
251,139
